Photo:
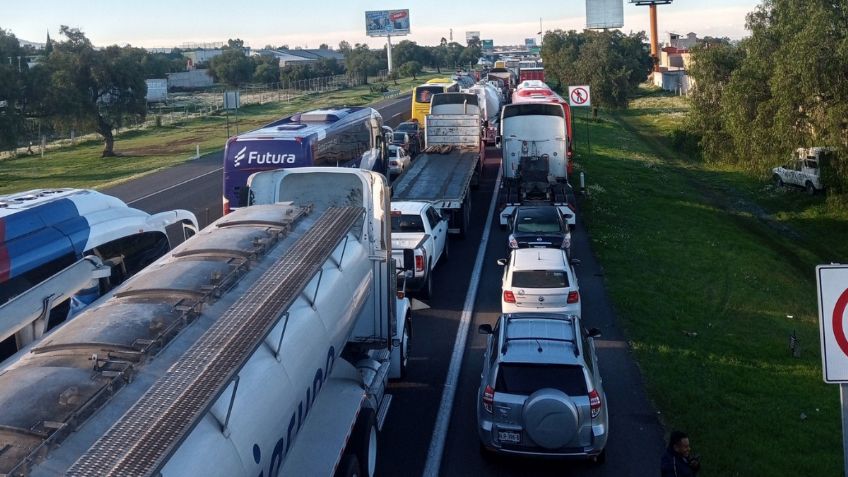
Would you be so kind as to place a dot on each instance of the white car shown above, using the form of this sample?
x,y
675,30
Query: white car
x,y
539,280
399,160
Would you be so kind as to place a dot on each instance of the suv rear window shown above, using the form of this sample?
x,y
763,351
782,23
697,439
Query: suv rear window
x,y
407,223
525,379
539,278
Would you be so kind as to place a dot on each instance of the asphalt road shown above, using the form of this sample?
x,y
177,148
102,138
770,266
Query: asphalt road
x,y
635,434
197,184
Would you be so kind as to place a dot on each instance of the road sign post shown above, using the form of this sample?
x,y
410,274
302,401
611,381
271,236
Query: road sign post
x,y
832,287
580,96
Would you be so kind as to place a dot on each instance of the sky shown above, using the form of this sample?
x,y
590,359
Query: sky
x,y
159,23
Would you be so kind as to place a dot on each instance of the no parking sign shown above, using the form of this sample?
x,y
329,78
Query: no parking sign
x,y
832,282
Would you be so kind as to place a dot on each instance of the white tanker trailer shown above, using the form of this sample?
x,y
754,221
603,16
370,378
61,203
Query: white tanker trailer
x,y
260,347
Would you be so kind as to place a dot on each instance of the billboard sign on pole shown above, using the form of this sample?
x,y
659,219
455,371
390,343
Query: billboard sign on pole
x,y
387,23
488,45
602,14
529,42
472,36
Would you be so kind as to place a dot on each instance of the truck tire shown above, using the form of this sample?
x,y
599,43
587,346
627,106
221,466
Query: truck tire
x,y
364,442
404,348
777,180
427,290
808,186
349,467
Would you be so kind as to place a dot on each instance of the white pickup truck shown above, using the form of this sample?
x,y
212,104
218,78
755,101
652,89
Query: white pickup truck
x,y
804,170
419,241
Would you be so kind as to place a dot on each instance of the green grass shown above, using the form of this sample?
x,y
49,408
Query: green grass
x,y
703,281
144,151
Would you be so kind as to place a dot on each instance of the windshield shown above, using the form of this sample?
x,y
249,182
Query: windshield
x,y
407,223
423,94
539,279
538,221
525,379
407,127
399,137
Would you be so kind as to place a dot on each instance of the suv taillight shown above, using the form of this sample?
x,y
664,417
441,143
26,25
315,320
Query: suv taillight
x,y
594,403
573,296
509,297
419,263
489,398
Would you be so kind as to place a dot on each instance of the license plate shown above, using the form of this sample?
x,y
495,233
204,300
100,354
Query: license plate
x,y
509,436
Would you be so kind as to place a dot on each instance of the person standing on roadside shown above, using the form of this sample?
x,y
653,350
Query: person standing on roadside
x,y
677,460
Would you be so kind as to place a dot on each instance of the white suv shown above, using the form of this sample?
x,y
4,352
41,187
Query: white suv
x,y
539,279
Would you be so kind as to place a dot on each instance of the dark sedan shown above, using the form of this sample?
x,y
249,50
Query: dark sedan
x,y
539,226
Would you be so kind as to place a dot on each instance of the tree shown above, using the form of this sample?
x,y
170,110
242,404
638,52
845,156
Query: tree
x,y
237,43
410,68
267,72
612,63
362,61
232,67
344,47
101,88
323,46
12,99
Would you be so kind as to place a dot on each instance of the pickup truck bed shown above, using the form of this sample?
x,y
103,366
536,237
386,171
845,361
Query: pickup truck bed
x,y
442,179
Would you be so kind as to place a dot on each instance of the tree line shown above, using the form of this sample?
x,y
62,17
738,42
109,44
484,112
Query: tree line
x,y
783,87
73,85
611,62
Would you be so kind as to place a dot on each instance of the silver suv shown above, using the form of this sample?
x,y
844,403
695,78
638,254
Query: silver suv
x,y
541,392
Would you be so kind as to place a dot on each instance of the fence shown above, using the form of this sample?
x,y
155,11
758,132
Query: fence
x,y
184,106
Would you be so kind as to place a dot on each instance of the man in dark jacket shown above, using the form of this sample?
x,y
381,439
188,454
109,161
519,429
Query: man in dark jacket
x,y
677,461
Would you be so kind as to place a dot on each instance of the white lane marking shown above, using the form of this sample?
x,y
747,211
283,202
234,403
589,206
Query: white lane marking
x,y
440,431
175,185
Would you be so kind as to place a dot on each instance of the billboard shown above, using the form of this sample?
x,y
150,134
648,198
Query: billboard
x,y
488,45
604,14
529,42
472,35
387,22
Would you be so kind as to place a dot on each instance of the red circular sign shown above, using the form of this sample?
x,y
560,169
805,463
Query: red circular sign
x,y
838,322
579,95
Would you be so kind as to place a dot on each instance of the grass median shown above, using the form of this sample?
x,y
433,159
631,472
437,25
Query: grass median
x,y
711,273
147,150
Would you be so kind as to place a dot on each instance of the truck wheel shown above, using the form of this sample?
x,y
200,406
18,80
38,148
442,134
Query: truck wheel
x,y
809,188
349,467
427,291
364,442
404,348
777,180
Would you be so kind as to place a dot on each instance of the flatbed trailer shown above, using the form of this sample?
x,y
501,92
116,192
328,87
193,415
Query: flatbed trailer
x,y
444,180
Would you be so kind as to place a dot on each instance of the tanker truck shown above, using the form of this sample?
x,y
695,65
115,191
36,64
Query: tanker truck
x,y
490,109
260,347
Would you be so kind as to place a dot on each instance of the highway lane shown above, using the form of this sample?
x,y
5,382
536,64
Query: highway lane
x,y
636,435
197,184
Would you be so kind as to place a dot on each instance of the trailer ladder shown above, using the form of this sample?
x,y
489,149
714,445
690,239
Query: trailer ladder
x,y
141,442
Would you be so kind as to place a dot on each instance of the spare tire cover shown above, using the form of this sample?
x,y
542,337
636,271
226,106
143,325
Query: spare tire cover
x,y
550,418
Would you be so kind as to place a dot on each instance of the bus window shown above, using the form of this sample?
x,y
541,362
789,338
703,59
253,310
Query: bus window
x,y
423,94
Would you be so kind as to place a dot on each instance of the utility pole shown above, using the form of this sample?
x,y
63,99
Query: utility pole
x,y
451,34
389,51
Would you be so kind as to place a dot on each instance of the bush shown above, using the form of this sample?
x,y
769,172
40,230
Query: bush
x,y
687,142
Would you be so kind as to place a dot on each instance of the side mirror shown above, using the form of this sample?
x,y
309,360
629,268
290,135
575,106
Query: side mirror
x,y
594,333
408,258
502,261
575,261
485,329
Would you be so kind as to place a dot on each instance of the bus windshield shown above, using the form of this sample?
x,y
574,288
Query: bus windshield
x,y
423,94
